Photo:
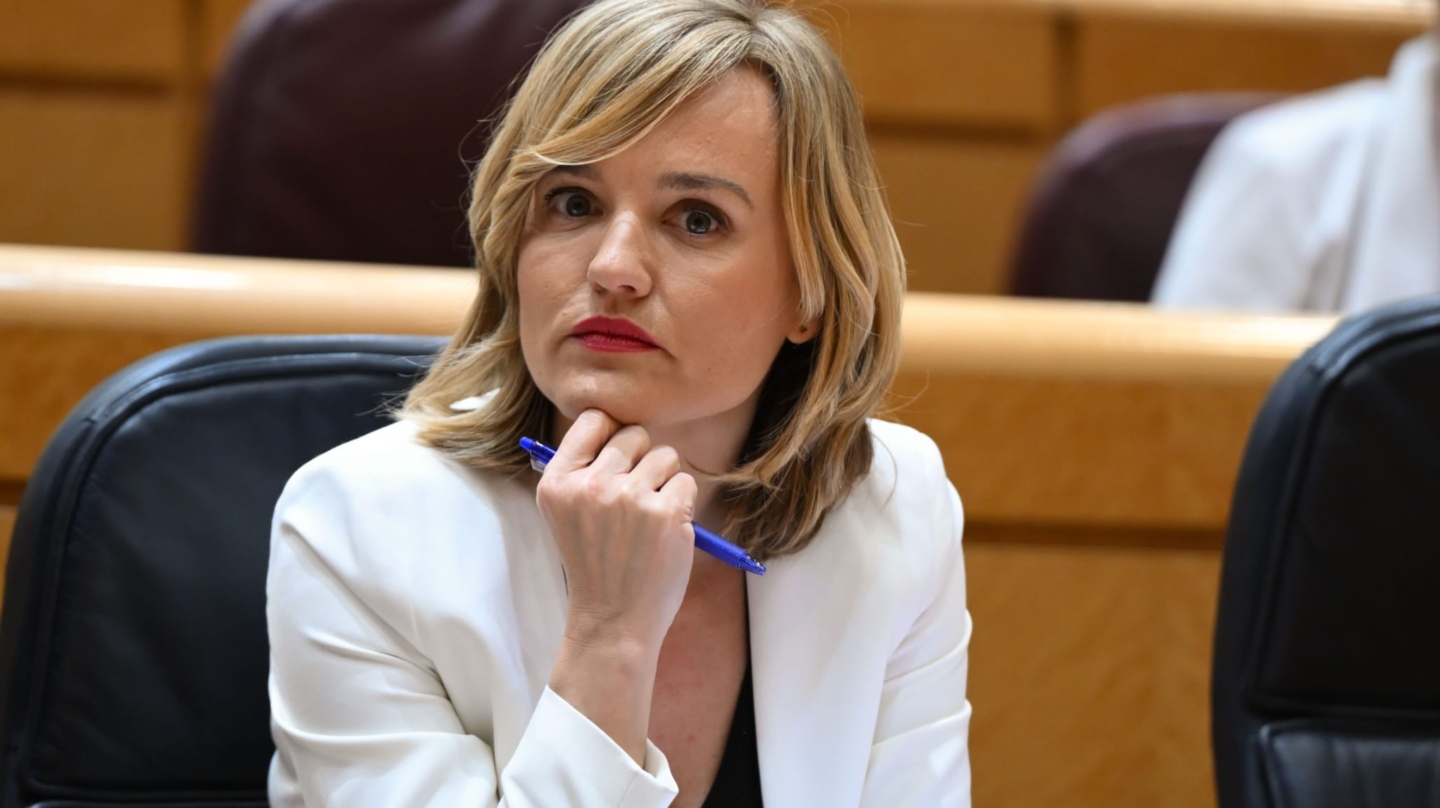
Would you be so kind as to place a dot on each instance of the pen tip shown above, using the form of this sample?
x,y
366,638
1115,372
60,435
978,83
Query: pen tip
x,y
527,444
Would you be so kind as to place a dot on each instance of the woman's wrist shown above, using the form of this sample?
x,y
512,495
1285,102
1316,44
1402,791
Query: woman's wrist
x,y
611,638
609,677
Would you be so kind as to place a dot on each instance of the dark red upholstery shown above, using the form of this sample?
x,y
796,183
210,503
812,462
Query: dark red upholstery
x,y
345,129
1103,208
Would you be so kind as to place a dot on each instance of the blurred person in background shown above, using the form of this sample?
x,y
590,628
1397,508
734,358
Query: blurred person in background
x,y
1328,202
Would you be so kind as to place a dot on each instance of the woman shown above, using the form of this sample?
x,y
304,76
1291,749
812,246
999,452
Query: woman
x,y
688,285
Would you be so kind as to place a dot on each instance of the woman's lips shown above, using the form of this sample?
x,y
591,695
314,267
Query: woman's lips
x,y
613,335
612,343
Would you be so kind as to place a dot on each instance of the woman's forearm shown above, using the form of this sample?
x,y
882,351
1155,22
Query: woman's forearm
x,y
610,678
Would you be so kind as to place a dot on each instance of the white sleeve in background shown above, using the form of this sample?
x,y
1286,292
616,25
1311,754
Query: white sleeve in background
x,y
361,717
1267,222
920,757
1239,243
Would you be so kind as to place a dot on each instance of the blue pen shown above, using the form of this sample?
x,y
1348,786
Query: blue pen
x,y
540,454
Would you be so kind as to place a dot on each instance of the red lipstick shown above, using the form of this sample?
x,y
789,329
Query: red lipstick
x,y
613,335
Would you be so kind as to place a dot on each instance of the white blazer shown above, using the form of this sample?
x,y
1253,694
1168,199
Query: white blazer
x,y
1326,202
416,607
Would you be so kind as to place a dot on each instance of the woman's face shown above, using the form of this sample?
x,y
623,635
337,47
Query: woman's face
x,y
656,285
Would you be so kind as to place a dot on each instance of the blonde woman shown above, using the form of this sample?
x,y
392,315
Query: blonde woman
x,y
689,287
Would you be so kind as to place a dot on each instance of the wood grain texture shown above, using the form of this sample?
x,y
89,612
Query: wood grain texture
x,y
106,40
1086,452
1404,16
1090,674
956,207
1122,57
134,291
947,63
45,372
93,168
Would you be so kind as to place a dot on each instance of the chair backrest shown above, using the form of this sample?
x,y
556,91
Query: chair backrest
x,y
345,129
133,651
1326,684
1102,209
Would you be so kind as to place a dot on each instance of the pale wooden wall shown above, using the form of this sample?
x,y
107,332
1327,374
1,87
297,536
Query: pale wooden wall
x,y
102,101
1095,447
101,107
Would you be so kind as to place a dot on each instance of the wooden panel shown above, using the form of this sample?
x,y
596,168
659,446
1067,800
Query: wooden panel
x,y
1121,58
1397,15
46,373
92,169
1072,451
1090,674
218,23
956,207
957,63
106,39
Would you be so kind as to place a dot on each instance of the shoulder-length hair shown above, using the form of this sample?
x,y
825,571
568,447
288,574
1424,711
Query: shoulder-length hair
x,y
604,80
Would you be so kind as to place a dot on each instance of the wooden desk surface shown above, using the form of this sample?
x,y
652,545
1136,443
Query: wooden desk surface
x,y
178,292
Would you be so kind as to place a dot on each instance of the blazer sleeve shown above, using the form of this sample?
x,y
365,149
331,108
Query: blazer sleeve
x,y
920,754
1241,239
360,717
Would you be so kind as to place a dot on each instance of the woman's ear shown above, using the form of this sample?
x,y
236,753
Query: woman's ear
x,y
804,332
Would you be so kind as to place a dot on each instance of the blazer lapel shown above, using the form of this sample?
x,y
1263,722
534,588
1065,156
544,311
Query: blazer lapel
x,y
818,637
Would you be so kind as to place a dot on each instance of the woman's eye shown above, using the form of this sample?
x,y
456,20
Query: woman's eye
x,y
577,205
699,222
570,202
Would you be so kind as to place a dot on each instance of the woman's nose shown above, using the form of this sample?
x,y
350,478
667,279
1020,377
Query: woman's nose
x,y
622,264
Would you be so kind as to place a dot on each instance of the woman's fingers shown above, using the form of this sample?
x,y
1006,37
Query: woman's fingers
x,y
620,513
681,488
656,468
624,449
590,433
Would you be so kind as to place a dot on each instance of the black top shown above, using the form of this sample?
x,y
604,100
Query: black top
x,y
737,783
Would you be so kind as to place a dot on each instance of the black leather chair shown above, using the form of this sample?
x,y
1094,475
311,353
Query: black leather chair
x,y
133,654
1326,682
1102,210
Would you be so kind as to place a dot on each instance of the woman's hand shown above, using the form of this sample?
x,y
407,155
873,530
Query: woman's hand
x,y
620,512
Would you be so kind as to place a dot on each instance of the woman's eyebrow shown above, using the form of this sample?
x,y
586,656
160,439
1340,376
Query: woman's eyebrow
x,y
685,181
583,171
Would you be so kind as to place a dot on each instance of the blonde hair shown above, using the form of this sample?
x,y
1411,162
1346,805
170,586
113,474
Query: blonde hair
x,y
605,79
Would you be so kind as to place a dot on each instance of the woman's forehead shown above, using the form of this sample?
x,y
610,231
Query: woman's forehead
x,y
724,136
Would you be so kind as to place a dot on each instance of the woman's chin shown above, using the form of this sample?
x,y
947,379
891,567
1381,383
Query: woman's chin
x,y
624,408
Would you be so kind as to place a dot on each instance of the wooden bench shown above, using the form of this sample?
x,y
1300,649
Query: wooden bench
x,y
1095,447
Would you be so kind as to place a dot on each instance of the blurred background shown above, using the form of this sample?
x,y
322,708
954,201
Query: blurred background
x,y
105,105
